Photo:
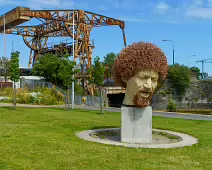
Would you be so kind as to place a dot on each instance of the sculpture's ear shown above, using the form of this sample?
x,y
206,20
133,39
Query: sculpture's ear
x,y
124,79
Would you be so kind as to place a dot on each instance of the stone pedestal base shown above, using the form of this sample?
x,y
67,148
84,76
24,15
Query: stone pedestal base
x,y
136,125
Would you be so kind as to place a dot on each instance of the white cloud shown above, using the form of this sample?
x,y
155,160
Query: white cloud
x,y
11,2
199,12
173,11
197,3
189,8
140,20
199,9
54,4
126,19
162,7
40,4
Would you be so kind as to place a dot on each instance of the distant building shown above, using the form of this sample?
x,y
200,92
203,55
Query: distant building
x,y
26,77
25,71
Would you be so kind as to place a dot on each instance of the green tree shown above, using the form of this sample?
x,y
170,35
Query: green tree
x,y
48,66
56,69
179,75
14,73
97,72
66,74
78,89
4,67
108,63
66,71
197,70
97,77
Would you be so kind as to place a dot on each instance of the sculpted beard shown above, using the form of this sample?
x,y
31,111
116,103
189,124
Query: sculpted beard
x,y
140,101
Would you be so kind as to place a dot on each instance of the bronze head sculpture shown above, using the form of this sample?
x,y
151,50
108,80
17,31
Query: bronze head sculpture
x,y
139,67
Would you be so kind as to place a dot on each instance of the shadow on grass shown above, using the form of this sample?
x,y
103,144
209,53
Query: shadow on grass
x,y
98,112
84,110
103,127
5,107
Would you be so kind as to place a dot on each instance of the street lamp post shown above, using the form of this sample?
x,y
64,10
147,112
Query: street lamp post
x,y
5,46
73,53
4,37
172,48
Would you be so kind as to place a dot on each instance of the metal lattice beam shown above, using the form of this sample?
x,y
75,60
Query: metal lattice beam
x,y
57,23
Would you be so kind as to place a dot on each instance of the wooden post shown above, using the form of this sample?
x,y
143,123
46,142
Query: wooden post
x,y
68,97
101,101
14,96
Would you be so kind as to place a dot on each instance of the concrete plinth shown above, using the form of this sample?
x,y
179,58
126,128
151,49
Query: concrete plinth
x,y
136,125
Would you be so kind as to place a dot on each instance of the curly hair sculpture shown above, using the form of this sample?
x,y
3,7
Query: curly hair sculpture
x,y
138,57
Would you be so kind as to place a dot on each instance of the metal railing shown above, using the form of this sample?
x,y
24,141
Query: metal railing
x,y
90,100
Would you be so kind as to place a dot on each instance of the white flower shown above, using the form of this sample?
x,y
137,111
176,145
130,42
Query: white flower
x,y
4,98
35,95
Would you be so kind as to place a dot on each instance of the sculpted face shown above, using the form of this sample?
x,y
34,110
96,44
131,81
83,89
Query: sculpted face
x,y
140,88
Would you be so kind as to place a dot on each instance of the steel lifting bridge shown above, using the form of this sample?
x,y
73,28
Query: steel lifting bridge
x,y
57,23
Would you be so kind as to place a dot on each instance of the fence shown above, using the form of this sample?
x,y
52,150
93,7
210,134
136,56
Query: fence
x,y
32,84
4,85
90,100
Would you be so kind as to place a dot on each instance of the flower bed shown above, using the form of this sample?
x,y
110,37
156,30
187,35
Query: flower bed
x,y
40,96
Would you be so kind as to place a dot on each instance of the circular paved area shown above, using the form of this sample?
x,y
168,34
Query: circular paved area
x,y
187,140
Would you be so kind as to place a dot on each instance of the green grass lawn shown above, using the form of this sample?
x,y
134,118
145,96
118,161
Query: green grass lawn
x,y
44,138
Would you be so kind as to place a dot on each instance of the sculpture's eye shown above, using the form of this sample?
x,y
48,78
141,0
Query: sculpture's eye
x,y
154,79
141,77
146,77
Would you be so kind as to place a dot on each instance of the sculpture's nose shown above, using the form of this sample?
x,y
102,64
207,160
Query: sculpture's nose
x,y
148,83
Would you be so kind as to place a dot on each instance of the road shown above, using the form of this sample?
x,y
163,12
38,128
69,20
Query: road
x,y
111,109
159,113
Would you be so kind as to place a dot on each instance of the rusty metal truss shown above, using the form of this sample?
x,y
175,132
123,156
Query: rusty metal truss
x,y
57,23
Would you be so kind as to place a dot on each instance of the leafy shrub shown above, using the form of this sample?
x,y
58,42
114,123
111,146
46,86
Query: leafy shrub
x,y
78,89
164,93
6,95
179,76
196,99
159,85
203,112
171,107
97,93
23,96
40,96
5,99
202,95
8,92
49,100
197,70
210,99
